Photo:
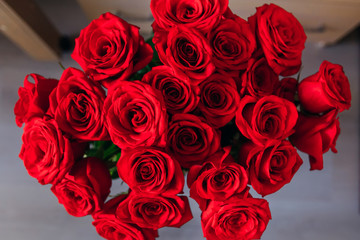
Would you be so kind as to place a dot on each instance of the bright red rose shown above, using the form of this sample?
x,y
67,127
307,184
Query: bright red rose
x,y
187,51
237,218
154,211
270,167
265,120
233,43
325,90
179,95
136,115
77,105
200,14
110,49
33,98
281,36
216,179
46,153
219,99
259,79
316,135
287,89
111,228
84,189
150,170
190,140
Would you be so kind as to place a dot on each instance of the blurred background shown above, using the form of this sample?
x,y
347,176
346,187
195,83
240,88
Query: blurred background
x,y
36,34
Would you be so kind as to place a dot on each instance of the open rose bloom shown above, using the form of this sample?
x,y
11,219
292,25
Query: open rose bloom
x,y
211,100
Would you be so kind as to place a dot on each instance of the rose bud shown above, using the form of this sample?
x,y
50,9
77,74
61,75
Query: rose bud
x,y
179,95
281,37
233,43
201,15
238,217
111,228
136,115
33,98
154,211
186,51
315,135
327,89
84,189
270,167
109,50
77,104
190,140
219,99
217,179
47,154
265,120
150,170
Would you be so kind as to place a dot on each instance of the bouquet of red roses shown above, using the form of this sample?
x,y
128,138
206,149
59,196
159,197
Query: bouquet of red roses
x,y
203,98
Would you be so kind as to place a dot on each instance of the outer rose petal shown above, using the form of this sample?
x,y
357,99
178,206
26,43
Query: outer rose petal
x,y
316,135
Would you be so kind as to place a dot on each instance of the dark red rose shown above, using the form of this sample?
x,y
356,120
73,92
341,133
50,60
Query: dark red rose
x,y
236,218
111,228
219,99
77,106
187,51
84,189
270,167
265,120
259,79
179,95
202,14
233,43
281,36
110,49
33,98
191,140
46,153
316,135
287,89
154,211
150,170
327,89
136,115
216,179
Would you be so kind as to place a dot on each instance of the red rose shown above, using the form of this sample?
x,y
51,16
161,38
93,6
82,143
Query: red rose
x,y
179,95
33,98
84,189
219,99
185,50
281,36
154,211
327,89
259,80
236,218
216,179
233,43
191,140
111,228
150,170
316,135
77,105
136,115
202,14
110,49
46,153
287,89
270,167
265,120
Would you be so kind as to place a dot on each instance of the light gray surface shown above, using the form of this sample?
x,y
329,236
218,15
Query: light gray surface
x,y
320,205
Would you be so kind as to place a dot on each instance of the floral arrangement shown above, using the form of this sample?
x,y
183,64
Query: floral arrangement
x,y
210,98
